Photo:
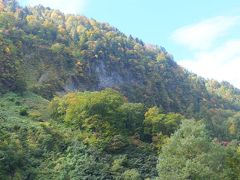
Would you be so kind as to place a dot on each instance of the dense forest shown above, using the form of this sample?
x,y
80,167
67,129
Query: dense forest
x,y
81,100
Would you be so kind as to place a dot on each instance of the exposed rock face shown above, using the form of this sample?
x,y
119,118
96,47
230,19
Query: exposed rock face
x,y
71,85
101,76
107,79
44,77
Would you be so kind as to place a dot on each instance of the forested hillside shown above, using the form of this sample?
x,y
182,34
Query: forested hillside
x,y
81,100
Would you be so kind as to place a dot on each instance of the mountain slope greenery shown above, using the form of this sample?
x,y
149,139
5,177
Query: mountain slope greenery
x,y
81,100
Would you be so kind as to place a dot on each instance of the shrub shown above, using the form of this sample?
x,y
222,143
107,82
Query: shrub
x,y
23,112
131,174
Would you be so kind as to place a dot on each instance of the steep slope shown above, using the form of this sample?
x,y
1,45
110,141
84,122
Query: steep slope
x,y
104,134
49,53
32,146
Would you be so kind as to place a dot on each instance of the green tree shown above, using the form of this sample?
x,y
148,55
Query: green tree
x,y
104,117
190,154
156,122
132,116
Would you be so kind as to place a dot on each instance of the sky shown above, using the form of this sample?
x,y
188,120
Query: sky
x,y
202,35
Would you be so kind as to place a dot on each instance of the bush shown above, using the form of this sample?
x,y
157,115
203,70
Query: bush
x,y
23,112
117,143
35,115
131,174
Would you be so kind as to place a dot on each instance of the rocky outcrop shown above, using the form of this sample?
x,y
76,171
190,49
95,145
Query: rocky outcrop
x,y
107,79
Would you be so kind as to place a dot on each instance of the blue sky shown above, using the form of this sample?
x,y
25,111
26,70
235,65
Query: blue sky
x,y
203,35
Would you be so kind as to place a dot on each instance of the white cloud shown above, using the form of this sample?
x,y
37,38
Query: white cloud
x,y
214,47
222,63
202,35
69,6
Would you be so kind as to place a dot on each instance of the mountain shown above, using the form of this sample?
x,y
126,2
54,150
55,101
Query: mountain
x,y
46,53
57,53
